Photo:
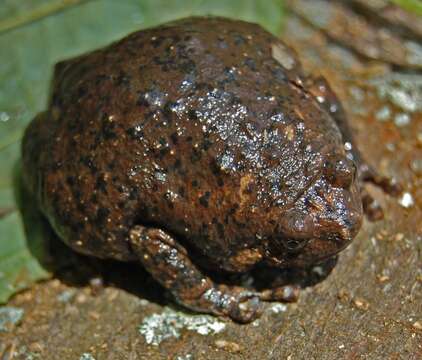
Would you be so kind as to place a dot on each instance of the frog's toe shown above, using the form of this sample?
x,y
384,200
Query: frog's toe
x,y
246,310
371,207
389,185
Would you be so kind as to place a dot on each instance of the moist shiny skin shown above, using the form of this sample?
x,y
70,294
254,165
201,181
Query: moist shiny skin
x,y
204,128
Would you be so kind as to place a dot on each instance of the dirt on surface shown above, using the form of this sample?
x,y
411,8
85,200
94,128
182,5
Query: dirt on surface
x,y
370,305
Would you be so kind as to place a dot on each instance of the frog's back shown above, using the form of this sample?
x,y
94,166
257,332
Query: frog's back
x,y
188,127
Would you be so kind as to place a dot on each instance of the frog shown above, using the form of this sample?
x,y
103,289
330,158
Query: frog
x,y
199,145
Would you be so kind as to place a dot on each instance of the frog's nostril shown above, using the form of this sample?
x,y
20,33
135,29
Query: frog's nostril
x,y
340,171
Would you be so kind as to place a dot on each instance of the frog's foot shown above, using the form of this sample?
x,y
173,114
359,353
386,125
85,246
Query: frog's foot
x,y
168,262
371,207
390,186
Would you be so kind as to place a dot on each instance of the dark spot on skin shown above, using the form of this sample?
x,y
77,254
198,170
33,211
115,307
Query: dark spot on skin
x,y
135,133
250,63
162,141
196,155
81,207
239,39
101,184
77,195
177,164
99,79
164,151
102,214
187,67
142,68
206,144
88,162
134,193
108,129
174,138
204,229
77,226
215,169
192,115
233,209
182,191
195,183
123,79
70,180
176,39
203,200
220,230
82,91
158,61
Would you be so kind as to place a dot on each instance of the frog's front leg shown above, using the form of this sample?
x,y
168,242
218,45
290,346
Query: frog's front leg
x,y
168,262
321,90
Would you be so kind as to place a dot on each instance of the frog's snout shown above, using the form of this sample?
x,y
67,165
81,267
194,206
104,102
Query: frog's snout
x,y
338,218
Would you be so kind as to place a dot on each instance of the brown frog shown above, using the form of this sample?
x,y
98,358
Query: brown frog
x,y
195,145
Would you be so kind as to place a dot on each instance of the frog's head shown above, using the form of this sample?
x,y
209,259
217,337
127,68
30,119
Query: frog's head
x,y
322,221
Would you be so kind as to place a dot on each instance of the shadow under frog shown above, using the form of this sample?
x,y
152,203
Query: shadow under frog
x,y
199,148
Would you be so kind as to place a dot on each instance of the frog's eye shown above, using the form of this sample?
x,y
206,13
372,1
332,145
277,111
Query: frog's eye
x,y
294,245
281,245
340,171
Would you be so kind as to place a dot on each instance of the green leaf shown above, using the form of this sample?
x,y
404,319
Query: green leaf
x,y
414,6
19,267
34,35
